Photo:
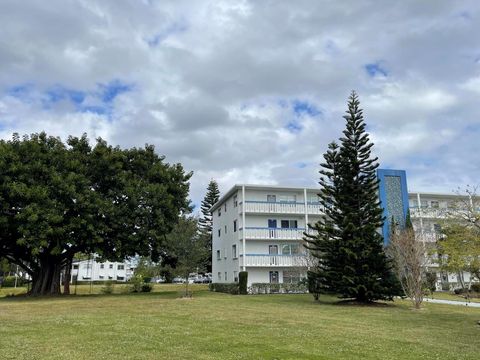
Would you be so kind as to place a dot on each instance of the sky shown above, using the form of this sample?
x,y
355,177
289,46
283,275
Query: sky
x,y
250,91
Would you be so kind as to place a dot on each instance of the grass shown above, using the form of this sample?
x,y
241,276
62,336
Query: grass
x,y
160,325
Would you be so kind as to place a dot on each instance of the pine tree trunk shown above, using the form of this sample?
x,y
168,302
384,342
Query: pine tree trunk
x,y
46,280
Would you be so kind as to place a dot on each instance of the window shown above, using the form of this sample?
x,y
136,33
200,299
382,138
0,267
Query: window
x,y
75,267
102,266
289,224
225,253
101,276
87,266
225,229
218,255
290,249
110,266
120,278
225,276
235,201
434,204
235,276
288,198
225,207
271,198
234,251
121,267
291,277
219,211
219,276
273,277
314,199
234,225
437,228
218,232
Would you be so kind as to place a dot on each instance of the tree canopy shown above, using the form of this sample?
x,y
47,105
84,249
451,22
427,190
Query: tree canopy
x,y
205,223
352,261
58,199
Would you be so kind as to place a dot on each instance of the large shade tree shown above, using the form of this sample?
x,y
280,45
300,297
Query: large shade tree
x,y
352,262
58,199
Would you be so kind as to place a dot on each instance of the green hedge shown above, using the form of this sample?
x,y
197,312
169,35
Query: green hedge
x,y
231,288
266,288
9,281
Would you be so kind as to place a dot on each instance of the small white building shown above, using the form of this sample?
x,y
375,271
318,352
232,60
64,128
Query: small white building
x,y
91,270
260,229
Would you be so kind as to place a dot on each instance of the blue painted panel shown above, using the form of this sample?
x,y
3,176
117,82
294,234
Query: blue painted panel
x,y
393,194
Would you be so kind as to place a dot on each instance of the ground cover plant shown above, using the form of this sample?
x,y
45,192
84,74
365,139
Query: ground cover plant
x,y
221,326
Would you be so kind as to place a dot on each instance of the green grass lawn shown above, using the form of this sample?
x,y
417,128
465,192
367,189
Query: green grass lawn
x,y
160,325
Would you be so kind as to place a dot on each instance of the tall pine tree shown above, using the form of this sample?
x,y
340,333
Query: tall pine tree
x,y
205,223
352,261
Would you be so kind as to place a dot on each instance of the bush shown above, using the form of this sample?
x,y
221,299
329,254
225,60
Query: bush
x,y
231,288
430,281
242,282
108,288
9,281
267,288
136,283
147,287
475,288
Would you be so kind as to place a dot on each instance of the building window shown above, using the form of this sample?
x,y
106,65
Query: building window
x,y
288,198
235,201
289,224
434,204
271,198
234,225
235,276
225,207
225,253
218,255
121,267
87,266
102,266
225,276
290,249
219,211
219,276
234,251
75,267
110,266
120,278
437,228
225,229
218,232
273,277
101,276
291,277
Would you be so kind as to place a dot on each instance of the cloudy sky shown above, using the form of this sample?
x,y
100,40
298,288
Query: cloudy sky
x,y
250,91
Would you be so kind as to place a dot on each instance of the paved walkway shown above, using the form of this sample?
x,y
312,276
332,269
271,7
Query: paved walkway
x,y
452,302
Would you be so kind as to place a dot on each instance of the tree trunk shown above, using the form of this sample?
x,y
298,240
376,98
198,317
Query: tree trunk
x,y
67,277
46,280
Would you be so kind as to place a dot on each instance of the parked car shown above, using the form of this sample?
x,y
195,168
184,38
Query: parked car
x,y
178,280
160,280
198,279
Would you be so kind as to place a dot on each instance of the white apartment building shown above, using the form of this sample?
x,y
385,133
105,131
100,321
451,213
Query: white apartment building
x,y
259,229
91,270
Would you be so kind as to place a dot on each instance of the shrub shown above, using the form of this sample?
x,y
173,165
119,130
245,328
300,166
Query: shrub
x,y
242,282
147,287
231,288
9,281
430,281
108,288
475,288
136,283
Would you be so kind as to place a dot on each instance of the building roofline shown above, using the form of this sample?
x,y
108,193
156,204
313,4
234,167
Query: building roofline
x,y
256,186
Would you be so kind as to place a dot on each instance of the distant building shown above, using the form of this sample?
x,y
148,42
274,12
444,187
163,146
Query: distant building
x,y
259,228
91,270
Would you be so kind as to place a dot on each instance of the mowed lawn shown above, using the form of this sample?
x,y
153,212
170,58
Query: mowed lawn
x,y
160,325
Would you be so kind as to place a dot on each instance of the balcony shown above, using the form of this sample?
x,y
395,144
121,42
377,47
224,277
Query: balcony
x,y
431,213
273,260
268,207
274,233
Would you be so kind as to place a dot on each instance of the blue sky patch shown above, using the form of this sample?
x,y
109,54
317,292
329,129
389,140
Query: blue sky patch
x,y
375,70
294,127
108,92
302,107
174,28
301,165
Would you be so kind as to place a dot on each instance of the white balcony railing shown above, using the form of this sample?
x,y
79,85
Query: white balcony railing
x,y
273,260
274,233
431,213
268,207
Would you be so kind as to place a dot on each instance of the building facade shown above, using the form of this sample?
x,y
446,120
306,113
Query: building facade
x,y
91,270
260,229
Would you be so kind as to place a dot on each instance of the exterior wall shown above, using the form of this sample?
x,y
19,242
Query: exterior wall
x,y
224,242
91,270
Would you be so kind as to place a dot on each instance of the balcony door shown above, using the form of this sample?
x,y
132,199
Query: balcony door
x,y
273,277
272,251
272,225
